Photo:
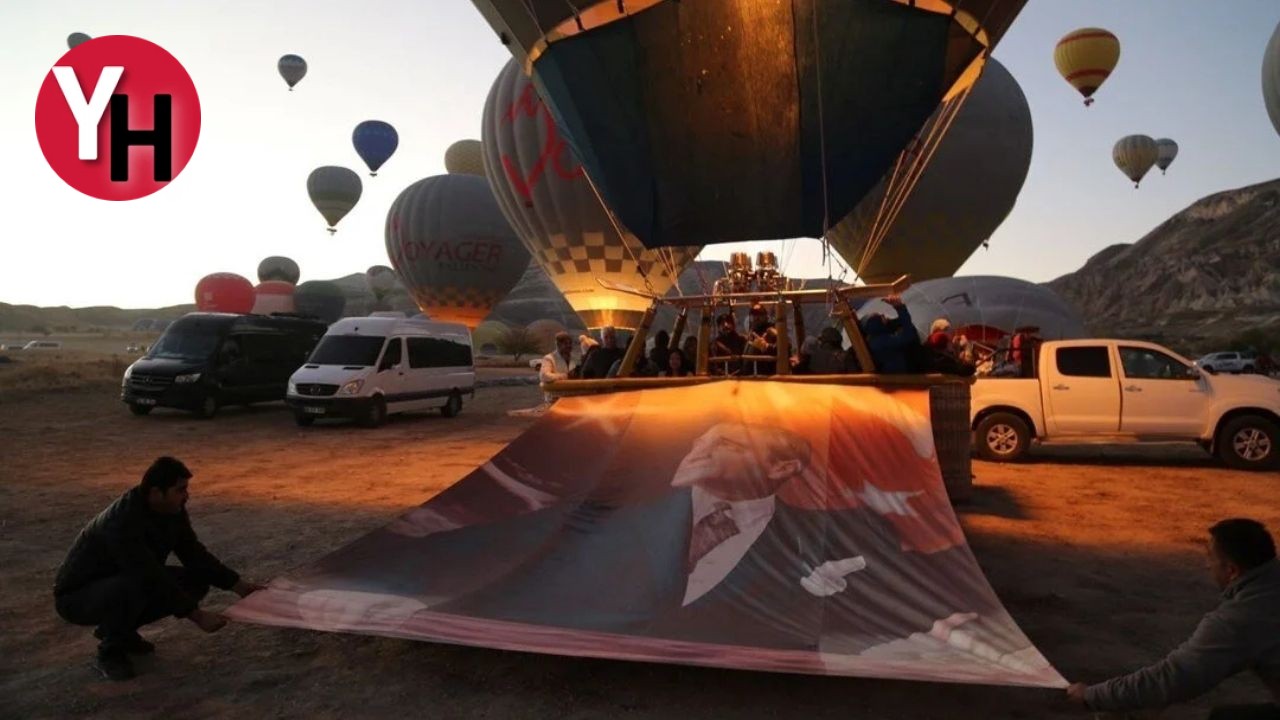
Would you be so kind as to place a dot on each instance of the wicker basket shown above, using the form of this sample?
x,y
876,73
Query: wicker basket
x,y
949,411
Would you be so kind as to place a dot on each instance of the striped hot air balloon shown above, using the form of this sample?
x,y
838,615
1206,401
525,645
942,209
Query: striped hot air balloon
x,y
1085,58
1134,155
1167,151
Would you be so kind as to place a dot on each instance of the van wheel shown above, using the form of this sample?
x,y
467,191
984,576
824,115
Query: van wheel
x,y
209,407
1249,442
303,419
376,415
452,406
1002,437
140,409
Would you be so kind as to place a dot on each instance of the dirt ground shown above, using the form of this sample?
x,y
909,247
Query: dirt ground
x,y
1095,552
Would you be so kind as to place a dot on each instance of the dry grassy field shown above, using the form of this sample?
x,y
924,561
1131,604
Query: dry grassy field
x,y
1094,551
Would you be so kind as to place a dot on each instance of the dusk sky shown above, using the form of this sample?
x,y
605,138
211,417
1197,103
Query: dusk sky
x,y
1189,70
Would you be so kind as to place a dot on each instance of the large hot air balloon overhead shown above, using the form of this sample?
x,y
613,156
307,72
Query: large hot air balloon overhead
x,y
75,39
727,120
464,158
1135,155
1166,152
963,194
226,293
1085,58
292,68
452,248
546,196
334,191
279,268
375,142
1271,78
320,299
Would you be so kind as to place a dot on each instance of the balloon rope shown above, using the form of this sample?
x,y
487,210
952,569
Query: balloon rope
x,y
822,135
933,141
622,234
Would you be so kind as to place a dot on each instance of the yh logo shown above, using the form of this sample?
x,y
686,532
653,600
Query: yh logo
x,y
118,117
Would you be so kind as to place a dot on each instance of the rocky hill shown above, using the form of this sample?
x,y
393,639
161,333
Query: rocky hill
x,y
1206,275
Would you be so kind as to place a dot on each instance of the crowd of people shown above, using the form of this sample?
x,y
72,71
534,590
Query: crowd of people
x,y
894,345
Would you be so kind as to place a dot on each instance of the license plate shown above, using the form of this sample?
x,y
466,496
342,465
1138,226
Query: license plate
x,y
313,410
144,401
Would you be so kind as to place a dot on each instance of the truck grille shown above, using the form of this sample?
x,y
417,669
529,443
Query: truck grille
x,y
149,382
316,389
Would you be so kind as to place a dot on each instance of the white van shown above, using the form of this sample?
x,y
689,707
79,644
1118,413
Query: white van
x,y
367,368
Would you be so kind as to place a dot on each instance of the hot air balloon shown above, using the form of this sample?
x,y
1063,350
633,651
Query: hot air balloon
x,y
224,292
544,332
1166,151
1134,155
75,39
550,203
726,120
278,268
1271,78
381,280
273,296
965,192
292,68
334,191
1085,58
452,248
320,299
487,335
464,158
375,143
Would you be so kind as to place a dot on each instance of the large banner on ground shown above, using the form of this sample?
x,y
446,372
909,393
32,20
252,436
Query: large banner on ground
x,y
761,525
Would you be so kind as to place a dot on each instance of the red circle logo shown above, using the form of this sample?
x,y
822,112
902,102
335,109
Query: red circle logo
x,y
118,117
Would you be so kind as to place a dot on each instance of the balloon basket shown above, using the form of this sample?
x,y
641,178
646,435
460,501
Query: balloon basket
x,y
1088,102
331,231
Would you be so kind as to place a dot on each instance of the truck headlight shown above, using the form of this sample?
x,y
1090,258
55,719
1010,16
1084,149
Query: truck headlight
x,y
293,388
187,379
351,388
128,373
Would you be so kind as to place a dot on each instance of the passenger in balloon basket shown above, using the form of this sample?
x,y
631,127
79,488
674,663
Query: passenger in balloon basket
x,y
661,351
1242,633
588,346
727,343
947,352
115,576
597,366
742,567
677,365
763,340
894,343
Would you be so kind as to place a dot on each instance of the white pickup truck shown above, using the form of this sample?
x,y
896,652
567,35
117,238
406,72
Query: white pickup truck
x,y
1127,391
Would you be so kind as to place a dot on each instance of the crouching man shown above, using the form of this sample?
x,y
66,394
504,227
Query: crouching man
x,y
115,575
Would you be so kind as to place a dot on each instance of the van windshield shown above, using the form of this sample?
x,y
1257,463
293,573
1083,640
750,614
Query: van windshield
x,y
354,350
187,341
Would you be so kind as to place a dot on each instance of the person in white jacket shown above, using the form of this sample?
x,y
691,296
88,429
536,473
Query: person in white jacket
x,y
555,364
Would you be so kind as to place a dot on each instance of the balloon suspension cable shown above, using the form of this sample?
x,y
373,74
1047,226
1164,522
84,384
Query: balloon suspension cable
x,y
889,210
822,136
623,235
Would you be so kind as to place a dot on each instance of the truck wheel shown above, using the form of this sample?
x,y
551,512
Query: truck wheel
x,y
140,409
209,407
376,415
303,419
1002,437
1249,442
453,406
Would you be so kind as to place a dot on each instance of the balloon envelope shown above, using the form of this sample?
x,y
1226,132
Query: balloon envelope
x,y
452,248
273,296
1271,78
727,120
334,191
278,268
292,68
967,189
464,158
1166,152
987,307
76,38
320,299
545,194
375,142
224,292
1134,155
381,280
1085,58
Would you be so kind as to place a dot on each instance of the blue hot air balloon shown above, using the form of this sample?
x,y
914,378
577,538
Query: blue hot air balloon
x,y
375,142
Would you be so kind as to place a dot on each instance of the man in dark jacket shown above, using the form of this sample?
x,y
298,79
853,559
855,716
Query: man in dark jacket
x,y
596,366
115,575
1243,633
892,342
